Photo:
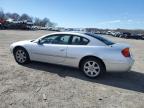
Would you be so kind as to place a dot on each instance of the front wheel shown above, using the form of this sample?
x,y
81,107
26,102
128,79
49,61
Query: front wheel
x,y
21,56
92,67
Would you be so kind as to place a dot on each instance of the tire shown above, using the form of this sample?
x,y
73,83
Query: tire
x,y
21,56
92,67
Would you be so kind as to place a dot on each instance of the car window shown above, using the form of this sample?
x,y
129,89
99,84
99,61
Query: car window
x,y
63,39
77,40
48,39
102,39
56,39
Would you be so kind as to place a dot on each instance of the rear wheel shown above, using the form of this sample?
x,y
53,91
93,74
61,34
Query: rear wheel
x,y
92,67
21,56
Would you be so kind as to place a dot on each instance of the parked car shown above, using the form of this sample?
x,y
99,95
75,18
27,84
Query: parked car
x,y
136,36
91,53
125,35
142,37
112,33
2,24
109,32
117,34
97,32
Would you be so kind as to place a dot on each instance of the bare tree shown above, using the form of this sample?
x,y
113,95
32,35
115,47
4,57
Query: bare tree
x,y
25,17
37,22
8,15
2,15
52,24
15,16
45,21
48,23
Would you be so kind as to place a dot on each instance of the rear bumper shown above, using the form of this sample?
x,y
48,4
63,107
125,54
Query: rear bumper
x,y
120,66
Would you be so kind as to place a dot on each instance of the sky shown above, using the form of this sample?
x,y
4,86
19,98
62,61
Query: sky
x,y
127,14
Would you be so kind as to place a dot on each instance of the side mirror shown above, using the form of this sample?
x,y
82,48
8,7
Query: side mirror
x,y
39,42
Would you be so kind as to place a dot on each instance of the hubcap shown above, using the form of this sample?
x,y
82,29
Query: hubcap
x,y
91,68
21,56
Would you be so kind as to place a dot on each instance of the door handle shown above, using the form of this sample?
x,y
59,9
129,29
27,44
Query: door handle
x,y
62,49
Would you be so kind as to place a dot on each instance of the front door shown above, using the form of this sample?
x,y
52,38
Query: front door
x,y
51,49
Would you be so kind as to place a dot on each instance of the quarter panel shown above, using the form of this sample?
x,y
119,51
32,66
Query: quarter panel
x,y
75,53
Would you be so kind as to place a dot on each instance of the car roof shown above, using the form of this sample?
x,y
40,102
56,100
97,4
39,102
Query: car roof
x,y
71,33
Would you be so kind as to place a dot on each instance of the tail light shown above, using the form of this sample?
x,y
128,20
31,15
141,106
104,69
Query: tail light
x,y
125,52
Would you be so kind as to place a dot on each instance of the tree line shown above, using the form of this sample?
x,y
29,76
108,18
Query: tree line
x,y
45,22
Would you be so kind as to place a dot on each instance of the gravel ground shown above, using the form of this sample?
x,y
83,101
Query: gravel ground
x,y
41,85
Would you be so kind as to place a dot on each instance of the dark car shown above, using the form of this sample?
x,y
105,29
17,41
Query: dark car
x,y
125,35
137,36
134,36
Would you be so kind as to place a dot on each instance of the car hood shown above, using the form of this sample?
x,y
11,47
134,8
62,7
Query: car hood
x,y
22,42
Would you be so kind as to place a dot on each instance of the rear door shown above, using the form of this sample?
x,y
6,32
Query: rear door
x,y
76,49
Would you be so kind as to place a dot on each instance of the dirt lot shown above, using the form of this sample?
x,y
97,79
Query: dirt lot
x,y
40,85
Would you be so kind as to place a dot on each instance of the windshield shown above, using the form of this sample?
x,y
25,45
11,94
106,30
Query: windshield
x,y
102,39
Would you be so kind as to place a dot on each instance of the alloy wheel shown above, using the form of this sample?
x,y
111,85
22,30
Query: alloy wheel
x,y
91,68
21,56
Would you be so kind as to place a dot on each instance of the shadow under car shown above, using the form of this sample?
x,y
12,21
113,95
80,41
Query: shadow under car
x,y
127,80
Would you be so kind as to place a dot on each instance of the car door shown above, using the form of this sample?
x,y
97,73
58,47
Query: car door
x,y
51,49
76,50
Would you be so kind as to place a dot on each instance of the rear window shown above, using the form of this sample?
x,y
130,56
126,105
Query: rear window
x,y
77,40
104,40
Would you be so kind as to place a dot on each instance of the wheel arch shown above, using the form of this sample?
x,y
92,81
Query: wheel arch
x,y
15,48
26,52
91,56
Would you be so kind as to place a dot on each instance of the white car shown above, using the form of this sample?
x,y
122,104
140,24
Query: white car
x,y
90,53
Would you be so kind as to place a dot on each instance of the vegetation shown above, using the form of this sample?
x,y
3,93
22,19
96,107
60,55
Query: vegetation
x,y
25,17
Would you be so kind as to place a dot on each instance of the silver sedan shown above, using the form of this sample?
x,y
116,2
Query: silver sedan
x,y
91,53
